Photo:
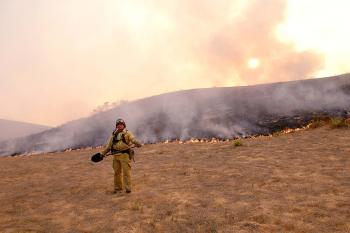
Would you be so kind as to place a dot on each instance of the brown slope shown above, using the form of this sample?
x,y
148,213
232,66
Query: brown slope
x,y
291,183
14,129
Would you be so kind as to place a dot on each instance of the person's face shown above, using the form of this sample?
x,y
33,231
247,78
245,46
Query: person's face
x,y
120,127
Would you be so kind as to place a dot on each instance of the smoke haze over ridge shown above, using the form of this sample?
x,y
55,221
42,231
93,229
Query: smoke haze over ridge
x,y
200,113
98,51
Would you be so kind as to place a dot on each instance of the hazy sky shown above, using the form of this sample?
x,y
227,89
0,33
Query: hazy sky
x,y
59,60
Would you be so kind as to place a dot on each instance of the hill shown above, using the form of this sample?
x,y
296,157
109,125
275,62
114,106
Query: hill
x,y
296,182
14,129
225,112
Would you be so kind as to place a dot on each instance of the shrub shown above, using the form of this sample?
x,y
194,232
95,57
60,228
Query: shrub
x,y
277,133
316,124
322,118
237,143
319,121
338,122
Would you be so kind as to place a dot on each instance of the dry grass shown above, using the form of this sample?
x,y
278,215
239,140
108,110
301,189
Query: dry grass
x,y
292,183
339,123
332,122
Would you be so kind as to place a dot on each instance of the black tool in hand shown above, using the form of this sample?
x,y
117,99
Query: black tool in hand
x,y
97,157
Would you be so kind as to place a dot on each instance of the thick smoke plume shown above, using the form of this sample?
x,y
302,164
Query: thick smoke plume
x,y
89,49
201,113
220,39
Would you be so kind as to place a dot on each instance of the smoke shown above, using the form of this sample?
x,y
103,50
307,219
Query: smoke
x,y
201,113
97,51
188,44
252,36
217,42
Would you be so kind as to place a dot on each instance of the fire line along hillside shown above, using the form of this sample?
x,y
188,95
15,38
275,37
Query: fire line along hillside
x,y
224,112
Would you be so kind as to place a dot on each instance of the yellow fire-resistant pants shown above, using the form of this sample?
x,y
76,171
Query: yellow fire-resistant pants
x,y
122,171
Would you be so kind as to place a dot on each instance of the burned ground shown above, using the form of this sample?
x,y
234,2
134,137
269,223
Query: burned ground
x,y
296,182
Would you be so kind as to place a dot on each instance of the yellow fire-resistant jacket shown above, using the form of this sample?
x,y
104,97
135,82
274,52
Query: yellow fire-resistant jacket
x,y
115,142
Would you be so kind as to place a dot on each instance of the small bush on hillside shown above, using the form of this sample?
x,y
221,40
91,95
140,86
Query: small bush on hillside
x,y
316,124
277,133
338,122
319,121
322,118
237,143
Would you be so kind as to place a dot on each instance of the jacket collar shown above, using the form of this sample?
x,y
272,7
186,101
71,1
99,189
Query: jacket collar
x,y
116,132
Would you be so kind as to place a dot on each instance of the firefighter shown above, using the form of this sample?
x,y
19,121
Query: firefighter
x,y
119,145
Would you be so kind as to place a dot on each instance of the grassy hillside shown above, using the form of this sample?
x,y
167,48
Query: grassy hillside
x,y
225,112
13,129
296,182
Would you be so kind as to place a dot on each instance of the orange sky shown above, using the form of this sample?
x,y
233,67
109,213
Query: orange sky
x,y
59,60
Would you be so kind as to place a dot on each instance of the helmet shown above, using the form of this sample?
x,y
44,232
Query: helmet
x,y
120,121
